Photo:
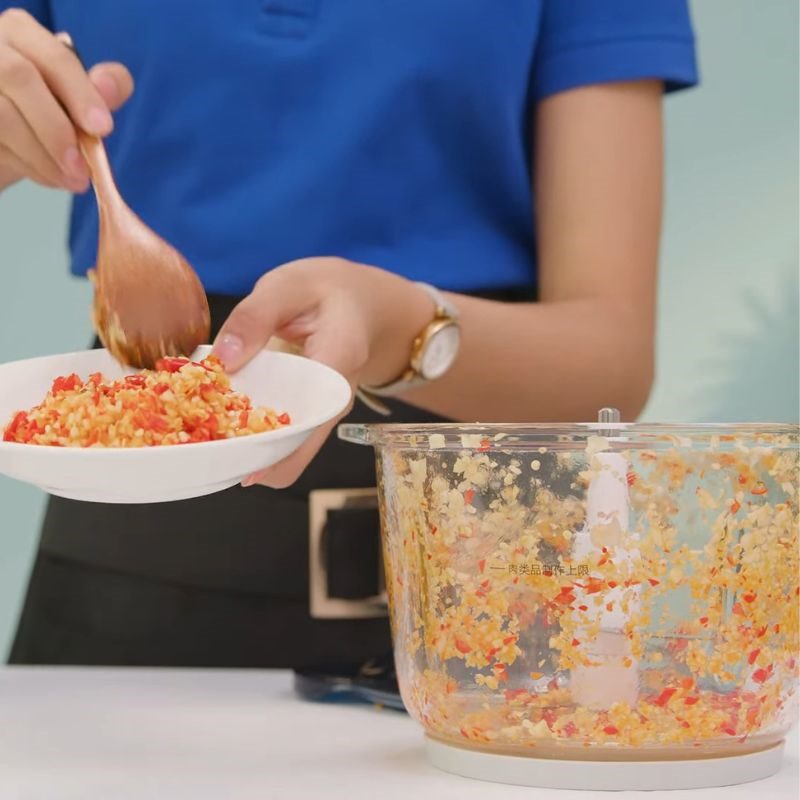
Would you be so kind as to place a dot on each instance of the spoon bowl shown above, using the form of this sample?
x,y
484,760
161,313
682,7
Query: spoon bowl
x,y
148,302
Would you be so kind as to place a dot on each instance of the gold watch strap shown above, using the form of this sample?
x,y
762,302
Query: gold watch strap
x,y
370,395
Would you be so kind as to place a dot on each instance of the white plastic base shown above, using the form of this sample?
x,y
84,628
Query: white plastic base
x,y
548,773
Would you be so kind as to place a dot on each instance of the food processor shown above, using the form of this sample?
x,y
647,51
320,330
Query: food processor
x,y
594,606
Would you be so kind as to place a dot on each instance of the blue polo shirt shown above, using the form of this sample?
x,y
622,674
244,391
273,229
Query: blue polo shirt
x,y
392,132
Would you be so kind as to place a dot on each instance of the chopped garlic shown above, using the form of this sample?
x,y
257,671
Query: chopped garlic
x,y
436,441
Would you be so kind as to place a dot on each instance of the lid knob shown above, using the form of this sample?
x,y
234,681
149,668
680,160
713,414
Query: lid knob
x,y
608,415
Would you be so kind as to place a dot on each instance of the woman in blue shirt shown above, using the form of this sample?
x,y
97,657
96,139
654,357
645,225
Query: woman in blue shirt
x,y
315,161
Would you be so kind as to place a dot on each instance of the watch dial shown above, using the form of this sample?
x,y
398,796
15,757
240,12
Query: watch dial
x,y
440,352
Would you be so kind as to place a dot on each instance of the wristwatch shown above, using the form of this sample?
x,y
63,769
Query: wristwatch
x,y
433,352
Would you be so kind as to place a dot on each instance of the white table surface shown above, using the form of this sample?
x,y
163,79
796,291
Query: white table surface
x,y
144,734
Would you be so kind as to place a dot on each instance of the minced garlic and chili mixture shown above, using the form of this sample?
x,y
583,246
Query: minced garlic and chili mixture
x,y
179,402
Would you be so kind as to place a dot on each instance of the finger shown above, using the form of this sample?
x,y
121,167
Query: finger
x,y
63,74
278,297
286,472
340,342
113,82
21,83
20,141
11,166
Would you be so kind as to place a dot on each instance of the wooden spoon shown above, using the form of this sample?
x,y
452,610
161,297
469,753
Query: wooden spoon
x,y
148,301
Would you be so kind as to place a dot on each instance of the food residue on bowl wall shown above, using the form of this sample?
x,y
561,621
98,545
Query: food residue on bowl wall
x,y
497,615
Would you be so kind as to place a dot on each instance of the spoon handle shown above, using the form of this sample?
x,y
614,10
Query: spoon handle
x,y
108,196
95,154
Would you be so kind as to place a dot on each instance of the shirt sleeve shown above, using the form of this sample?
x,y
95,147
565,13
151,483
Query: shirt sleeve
x,y
583,42
40,9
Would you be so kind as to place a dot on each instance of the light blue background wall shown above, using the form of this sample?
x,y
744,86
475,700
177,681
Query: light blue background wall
x,y
729,325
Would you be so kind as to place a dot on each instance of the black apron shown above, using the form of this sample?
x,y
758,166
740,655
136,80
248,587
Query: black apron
x,y
216,581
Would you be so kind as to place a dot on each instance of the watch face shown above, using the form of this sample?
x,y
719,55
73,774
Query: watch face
x,y
440,352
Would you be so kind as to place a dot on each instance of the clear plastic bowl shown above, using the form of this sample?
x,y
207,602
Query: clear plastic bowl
x,y
600,591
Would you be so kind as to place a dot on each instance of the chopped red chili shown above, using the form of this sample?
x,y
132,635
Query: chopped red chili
x,y
691,700
66,384
611,730
761,675
171,364
665,696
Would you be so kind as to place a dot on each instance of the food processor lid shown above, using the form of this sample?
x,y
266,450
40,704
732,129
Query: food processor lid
x,y
607,433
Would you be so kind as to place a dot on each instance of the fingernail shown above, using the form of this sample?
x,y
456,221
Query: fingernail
x,y
249,481
99,121
75,167
228,348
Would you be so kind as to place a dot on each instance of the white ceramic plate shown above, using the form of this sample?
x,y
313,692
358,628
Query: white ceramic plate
x,y
309,392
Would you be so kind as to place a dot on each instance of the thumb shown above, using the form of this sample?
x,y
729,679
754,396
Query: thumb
x,y
277,299
114,83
